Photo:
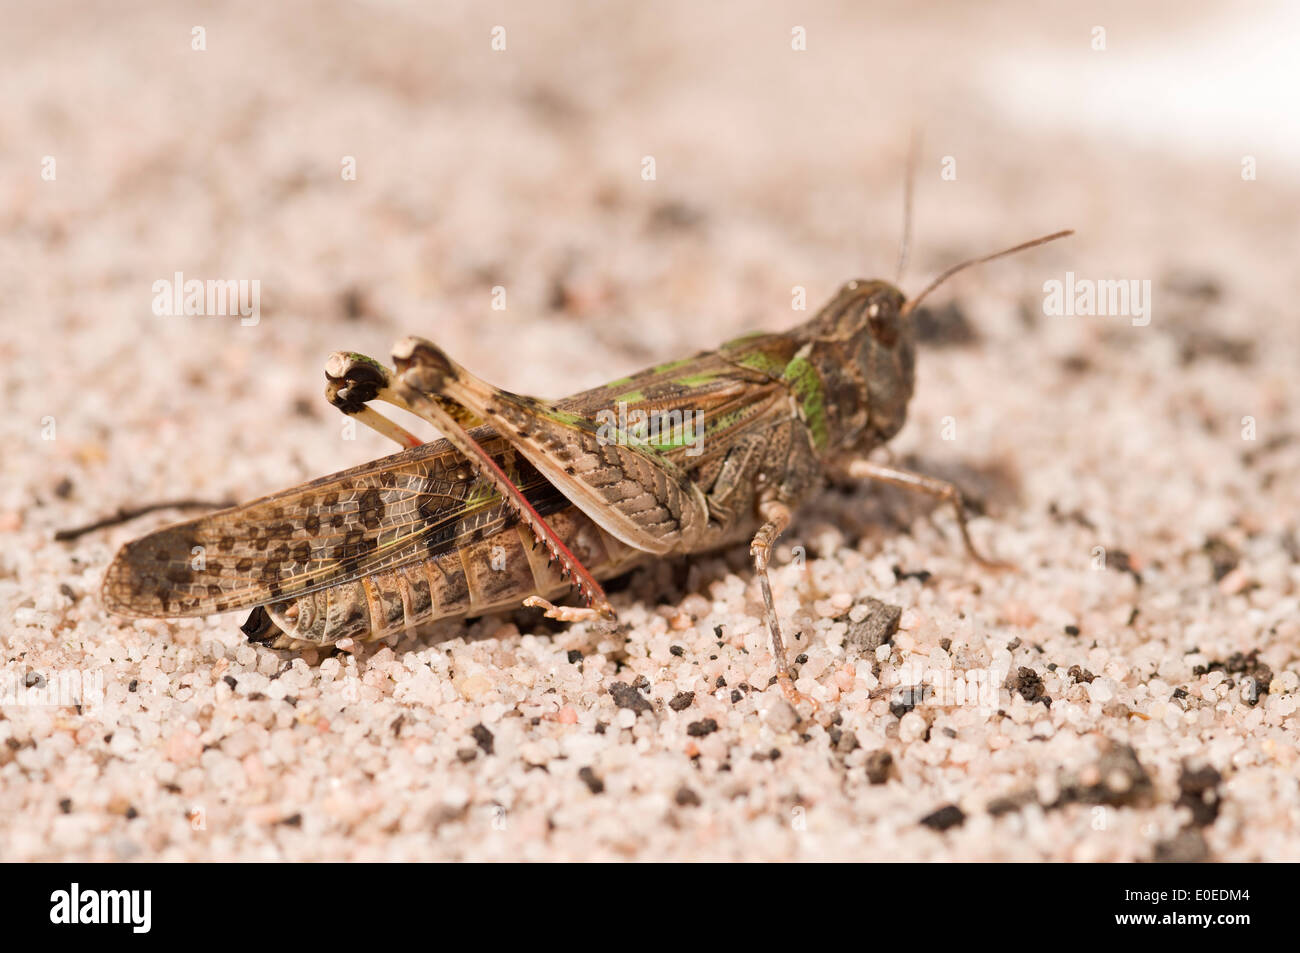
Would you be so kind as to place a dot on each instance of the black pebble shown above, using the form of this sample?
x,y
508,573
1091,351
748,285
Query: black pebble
x,y
699,729
1200,793
941,820
878,765
626,696
1029,684
682,700
687,798
482,737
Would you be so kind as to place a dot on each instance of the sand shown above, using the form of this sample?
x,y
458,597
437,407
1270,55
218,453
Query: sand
x,y
1129,693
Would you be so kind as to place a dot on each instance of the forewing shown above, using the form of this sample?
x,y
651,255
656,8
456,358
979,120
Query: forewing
x,y
624,453
381,515
697,406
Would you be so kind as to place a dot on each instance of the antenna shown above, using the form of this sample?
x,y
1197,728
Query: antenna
x,y
910,306
909,174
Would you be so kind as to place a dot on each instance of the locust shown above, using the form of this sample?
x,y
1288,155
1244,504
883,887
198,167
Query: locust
x,y
525,500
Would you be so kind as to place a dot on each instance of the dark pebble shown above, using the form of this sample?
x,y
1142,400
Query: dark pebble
x,y
682,700
1199,789
700,729
877,628
946,817
483,738
588,777
626,696
879,764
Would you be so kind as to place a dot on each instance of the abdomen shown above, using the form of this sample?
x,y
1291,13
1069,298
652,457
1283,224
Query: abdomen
x,y
491,574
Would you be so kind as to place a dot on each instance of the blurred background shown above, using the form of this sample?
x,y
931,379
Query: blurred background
x,y
522,169
479,174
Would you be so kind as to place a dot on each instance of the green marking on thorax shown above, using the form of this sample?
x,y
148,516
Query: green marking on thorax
x,y
807,387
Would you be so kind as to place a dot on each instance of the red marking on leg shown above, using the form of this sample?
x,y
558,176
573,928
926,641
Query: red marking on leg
x,y
582,579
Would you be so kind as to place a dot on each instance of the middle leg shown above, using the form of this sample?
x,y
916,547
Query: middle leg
x,y
776,517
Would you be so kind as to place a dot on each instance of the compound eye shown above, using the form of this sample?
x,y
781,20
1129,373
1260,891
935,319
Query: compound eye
x,y
882,320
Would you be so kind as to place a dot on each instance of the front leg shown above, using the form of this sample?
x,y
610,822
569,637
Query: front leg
x,y
947,492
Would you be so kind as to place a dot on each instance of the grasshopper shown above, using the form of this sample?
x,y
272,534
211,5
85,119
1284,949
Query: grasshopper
x,y
525,499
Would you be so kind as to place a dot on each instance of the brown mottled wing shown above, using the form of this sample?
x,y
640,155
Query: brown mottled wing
x,y
381,515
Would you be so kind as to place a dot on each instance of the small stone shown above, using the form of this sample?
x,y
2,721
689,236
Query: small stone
x,y
782,717
1029,685
483,738
1223,557
876,628
1010,803
879,765
682,701
844,742
701,729
588,777
911,727
1200,793
944,818
1117,779
626,696
685,797
1101,690
474,687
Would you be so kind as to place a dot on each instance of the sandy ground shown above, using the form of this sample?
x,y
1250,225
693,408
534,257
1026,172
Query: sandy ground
x,y
1128,694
